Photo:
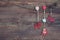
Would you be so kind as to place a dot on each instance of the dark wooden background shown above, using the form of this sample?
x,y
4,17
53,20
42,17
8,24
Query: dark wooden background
x,y
16,23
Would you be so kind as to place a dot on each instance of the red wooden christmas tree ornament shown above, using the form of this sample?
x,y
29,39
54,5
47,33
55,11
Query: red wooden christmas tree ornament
x,y
44,7
44,32
51,19
37,25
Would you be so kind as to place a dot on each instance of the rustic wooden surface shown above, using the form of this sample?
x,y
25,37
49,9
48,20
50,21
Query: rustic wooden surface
x,y
16,23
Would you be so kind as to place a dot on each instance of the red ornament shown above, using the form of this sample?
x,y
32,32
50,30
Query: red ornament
x,y
37,25
45,32
44,7
51,19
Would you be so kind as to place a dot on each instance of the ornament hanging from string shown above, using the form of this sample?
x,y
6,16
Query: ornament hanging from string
x,y
44,7
51,19
44,32
37,25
